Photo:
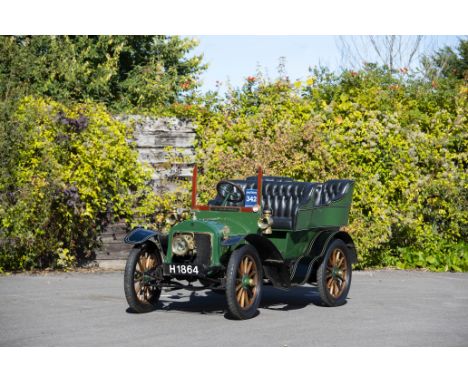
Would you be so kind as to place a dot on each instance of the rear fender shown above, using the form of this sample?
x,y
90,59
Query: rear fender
x,y
319,250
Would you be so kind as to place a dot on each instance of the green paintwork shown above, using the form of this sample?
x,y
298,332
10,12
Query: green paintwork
x,y
292,244
213,222
334,215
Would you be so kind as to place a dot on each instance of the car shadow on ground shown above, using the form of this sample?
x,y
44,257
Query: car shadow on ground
x,y
209,302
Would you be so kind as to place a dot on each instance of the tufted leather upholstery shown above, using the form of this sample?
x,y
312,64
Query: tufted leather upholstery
x,y
331,191
284,196
284,199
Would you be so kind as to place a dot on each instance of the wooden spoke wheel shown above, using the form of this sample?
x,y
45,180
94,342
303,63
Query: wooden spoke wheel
x,y
334,274
140,290
244,282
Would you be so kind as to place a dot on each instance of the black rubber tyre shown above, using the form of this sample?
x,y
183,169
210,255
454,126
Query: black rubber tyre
x,y
244,282
334,274
141,298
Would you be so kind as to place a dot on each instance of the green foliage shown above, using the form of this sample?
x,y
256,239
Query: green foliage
x,y
448,62
66,169
67,172
401,139
123,72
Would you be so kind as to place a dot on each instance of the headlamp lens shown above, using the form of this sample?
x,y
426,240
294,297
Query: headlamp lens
x,y
179,246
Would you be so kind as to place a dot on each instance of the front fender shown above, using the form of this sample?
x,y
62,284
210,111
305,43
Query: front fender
x,y
140,235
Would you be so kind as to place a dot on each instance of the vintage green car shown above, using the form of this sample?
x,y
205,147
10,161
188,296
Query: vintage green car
x,y
257,231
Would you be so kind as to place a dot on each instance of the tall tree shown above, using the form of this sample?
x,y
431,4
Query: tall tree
x,y
447,62
120,71
391,51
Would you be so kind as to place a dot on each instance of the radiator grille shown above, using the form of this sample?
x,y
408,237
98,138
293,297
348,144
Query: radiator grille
x,y
202,251
203,247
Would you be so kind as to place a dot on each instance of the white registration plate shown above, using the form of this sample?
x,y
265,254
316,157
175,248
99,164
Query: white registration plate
x,y
181,269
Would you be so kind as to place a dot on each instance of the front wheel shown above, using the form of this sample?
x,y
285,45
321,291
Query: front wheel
x,y
141,293
244,282
334,274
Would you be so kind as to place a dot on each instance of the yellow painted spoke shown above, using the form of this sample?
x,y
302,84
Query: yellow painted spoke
x,y
239,294
340,261
242,298
137,286
140,263
249,266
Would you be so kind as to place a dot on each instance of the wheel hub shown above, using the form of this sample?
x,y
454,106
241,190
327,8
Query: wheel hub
x,y
336,272
246,281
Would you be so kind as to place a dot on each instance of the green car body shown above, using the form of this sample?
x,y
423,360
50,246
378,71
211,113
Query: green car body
x,y
281,226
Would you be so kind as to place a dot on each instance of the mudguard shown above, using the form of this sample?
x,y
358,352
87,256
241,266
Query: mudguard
x,y
140,235
305,267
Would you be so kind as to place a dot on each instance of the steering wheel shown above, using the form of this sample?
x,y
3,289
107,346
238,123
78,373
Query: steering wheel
x,y
230,192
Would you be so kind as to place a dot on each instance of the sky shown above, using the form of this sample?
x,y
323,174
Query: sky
x,y
233,58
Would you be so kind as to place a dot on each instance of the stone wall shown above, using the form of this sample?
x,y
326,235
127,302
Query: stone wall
x,y
167,144
162,142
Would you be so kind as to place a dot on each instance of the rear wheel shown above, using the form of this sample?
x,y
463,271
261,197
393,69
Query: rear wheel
x,y
141,293
334,274
244,282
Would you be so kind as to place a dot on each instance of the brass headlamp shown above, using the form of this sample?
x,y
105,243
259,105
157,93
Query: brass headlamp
x,y
265,222
183,244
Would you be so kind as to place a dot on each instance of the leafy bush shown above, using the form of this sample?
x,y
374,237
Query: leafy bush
x,y
68,172
122,72
401,139
66,169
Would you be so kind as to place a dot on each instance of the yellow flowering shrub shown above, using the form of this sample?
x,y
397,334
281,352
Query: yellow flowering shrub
x,y
402,140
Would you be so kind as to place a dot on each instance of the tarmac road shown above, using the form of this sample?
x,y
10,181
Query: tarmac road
x,y
384,308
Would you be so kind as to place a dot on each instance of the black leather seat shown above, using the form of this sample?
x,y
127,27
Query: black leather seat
x,y
331,191
284,199
284,196
281,195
